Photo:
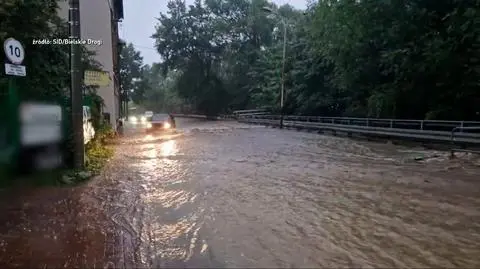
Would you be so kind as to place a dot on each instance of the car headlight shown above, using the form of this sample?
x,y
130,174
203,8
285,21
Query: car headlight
x,y
133,119
166,125
143,119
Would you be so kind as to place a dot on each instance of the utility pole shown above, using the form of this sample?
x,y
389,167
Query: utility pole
x,y
76,85
126,103
283,72
282,89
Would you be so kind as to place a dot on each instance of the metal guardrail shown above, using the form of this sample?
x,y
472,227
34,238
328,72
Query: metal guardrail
x,y
254,114
426,130
461,129
371,122
194,116
189,116
449,132
453,136
250,112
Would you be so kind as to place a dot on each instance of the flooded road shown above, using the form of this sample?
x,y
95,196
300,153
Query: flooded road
x,y
223,194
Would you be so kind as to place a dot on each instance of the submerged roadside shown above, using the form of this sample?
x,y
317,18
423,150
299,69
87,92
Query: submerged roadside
x,y
222,194
55,225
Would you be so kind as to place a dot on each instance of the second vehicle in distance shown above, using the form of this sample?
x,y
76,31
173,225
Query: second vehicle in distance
x,y
161,122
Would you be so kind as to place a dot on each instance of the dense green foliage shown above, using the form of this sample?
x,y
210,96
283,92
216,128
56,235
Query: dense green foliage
x,y
53,81
48,72
392,58
48,66
130,73
160,90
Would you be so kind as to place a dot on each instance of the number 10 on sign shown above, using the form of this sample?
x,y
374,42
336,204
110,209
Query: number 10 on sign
x,y
14,51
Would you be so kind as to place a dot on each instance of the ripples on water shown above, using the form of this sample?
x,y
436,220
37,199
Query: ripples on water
x,y
220,194
268,198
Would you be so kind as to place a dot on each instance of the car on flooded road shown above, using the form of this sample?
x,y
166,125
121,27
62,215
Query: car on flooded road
x,y
148,114
137,120
161,122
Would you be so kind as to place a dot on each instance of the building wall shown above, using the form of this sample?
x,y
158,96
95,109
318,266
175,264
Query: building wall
x,y
96,24
116,57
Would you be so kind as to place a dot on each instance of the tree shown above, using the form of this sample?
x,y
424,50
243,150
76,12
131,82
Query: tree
x,y
48,77
401,58
161,94
204,41
131,63
397,58
47,66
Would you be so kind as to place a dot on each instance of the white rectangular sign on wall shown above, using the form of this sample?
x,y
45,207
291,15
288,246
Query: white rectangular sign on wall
x,y
41,124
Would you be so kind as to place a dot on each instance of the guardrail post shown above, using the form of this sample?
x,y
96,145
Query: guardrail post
x,y
421,125
368,123
391,123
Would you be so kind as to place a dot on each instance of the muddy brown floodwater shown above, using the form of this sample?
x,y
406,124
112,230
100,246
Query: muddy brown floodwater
x,y
222,194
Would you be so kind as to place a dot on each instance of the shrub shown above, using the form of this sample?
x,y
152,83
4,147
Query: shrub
x,y
105,134
97,151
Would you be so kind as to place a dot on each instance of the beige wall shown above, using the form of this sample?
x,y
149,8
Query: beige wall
x,y
95,21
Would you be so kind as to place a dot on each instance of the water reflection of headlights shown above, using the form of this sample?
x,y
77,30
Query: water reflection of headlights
x,y
168,148
143,119
149,125
166,125
133,119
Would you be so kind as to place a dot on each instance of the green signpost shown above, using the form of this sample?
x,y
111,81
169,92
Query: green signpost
x,y
15,54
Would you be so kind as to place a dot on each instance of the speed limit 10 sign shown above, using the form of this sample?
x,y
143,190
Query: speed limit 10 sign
x,y
14,50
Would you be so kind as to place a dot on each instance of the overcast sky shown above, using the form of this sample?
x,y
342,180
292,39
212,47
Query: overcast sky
x,y
140,20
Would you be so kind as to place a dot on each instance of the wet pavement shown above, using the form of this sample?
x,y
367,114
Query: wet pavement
x,y
223,194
